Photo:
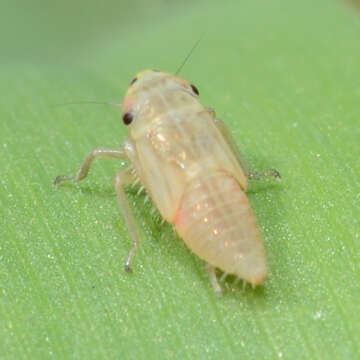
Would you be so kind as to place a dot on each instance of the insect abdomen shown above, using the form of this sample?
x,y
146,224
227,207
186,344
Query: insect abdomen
x,y
217,223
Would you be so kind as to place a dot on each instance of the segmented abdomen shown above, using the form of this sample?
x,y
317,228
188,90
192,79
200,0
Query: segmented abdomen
x,y
217,223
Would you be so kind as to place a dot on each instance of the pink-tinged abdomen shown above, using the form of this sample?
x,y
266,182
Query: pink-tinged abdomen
x,y
217,223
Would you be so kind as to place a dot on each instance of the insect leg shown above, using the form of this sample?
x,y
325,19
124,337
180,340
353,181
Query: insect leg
x,y
85,167
231,142
250,175
211,111
214,280
122,178
266,173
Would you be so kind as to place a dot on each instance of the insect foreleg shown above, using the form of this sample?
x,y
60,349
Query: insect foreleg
x,y
85,167
123,178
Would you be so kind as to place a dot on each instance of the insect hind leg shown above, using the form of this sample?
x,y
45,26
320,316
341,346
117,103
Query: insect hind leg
x,y
214,280
123,178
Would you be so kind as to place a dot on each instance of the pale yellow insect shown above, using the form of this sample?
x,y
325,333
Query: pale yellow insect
x,y
189,165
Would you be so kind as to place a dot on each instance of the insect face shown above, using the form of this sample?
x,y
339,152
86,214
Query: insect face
x,y
149,96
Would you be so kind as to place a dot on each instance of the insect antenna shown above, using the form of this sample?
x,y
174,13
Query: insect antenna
x,y
86,102
188,55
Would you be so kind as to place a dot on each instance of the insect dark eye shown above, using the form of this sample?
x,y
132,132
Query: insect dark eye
x,y
194,89
128,118
133,80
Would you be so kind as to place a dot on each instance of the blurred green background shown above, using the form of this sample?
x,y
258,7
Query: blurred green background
x,y
284,75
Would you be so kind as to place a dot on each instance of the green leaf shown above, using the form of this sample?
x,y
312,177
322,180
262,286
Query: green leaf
x,y
284,76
